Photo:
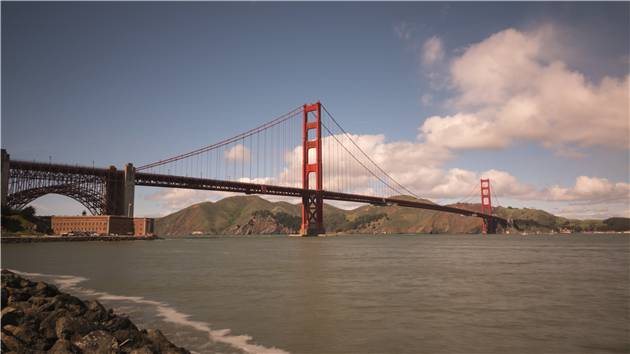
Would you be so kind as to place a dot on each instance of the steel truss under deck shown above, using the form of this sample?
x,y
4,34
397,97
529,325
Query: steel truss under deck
x,y
95,188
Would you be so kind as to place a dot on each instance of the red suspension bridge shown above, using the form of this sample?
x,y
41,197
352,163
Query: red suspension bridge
x,y
304,153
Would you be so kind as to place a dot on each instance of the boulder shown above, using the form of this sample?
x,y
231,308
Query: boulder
x,y
52,305
64,346
144,350
160,343
132,339
118,324
12,344
29,337
11,316
20,305
96,312
10,280
18,294
30,321
99,342
25,283
38,301
73,304
48,327
73,328
5,297
45,290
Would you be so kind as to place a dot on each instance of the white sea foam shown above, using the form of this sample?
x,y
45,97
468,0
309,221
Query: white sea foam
x,y
169,314
61,281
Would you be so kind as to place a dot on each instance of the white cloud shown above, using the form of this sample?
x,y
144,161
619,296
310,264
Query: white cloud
x,y
508,92
582,213
591,190
238,153
432,51
404,29
426,99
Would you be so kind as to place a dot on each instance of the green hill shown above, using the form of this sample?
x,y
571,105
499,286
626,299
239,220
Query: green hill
x,y
253,215
24,222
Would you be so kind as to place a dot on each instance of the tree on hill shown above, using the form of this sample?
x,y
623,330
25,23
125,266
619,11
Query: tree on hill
x,y
292,222
617,224
362,221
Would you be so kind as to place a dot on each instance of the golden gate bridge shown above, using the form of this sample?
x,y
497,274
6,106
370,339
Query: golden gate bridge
x,y
304,153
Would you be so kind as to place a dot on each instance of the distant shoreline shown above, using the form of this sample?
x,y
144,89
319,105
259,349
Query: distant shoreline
x,y
38,239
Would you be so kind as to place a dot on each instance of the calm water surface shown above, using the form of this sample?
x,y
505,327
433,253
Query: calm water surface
x,y
356,294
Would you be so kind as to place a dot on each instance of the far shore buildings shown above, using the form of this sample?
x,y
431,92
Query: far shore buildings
x,y
103,225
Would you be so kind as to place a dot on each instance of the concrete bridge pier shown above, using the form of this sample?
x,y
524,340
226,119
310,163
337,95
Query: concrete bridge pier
x,y
119,195
6,164
130,191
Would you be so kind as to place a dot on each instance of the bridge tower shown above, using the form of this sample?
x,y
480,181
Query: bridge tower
x,y
312,204
486,207
119,195
6,164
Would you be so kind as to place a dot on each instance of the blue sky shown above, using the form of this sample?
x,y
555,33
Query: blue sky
x,y
533,95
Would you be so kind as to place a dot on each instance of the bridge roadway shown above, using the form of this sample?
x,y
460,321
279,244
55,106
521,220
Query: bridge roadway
x,y
168,181
53,178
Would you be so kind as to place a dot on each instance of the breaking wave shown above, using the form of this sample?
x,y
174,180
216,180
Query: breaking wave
x,y
68,283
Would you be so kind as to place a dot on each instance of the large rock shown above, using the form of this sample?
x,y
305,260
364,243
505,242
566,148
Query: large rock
x,y
131,339
10,280
118,324
159,341
19,294
11,316
23,305
30,321
13,344
29,337
48,327
52,305
5,297
73,328
64,346
38,301
45,290
96,312
73,304
144,350
99,342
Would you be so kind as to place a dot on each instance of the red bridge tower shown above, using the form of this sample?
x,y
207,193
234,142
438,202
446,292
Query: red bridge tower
x,y
312,204
486,207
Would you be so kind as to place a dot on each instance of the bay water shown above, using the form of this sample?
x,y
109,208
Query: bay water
x,y
355,294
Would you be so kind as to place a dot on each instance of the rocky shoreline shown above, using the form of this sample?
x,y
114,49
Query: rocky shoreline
x,y
38,318
37,239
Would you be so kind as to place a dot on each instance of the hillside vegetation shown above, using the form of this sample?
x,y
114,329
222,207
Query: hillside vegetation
x,y
23,222
254,215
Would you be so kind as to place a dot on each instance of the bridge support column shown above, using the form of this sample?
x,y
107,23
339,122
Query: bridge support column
x,y
113,195
486,207
6,164
130,185
489,226
312,205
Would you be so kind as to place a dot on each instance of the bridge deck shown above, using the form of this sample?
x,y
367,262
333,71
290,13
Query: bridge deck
x,y
158,180
169,181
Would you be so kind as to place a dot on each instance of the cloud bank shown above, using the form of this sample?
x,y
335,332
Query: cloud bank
x,y
509,92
